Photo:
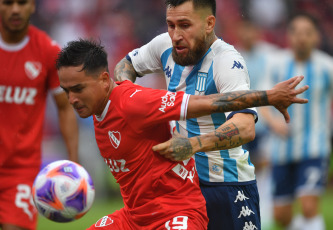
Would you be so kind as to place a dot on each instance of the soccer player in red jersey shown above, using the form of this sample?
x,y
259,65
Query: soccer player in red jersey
x,y
27,64
129,120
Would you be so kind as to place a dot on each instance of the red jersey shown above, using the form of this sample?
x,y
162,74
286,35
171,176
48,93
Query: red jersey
x,y
153,187
27,72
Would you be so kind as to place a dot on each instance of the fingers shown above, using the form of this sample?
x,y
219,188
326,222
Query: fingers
x,y
300,100
161,148
286,116
302,89
295,81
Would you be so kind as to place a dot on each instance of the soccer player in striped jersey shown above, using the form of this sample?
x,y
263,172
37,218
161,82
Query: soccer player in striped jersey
x,y
28,73
301,149
130,120
194,60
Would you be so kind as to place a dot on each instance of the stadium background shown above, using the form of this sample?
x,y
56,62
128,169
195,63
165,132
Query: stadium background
x,y
124,25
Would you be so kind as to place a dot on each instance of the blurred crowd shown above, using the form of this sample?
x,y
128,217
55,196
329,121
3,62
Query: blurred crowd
x,y
124,25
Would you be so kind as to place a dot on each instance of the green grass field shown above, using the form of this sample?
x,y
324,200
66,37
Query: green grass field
x,y
101,208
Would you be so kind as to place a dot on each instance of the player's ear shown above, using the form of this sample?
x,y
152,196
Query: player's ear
x,y
105,80
210,23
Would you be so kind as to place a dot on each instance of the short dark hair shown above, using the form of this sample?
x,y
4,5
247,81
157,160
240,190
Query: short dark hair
x,y
306,15
88,53
196,3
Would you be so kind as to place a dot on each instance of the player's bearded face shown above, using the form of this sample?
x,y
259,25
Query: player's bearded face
x,y
193,55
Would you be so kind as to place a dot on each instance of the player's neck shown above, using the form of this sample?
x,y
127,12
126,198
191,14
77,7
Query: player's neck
x,y
10,37
302,58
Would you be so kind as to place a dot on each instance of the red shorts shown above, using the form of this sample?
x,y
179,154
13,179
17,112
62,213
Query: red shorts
x,y
184,220
16,204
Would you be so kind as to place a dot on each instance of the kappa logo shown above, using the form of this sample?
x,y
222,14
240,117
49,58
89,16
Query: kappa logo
x,y
104,221
115,138
238,65
32,69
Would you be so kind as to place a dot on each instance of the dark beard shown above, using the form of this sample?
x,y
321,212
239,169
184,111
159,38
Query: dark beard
x,y
193,56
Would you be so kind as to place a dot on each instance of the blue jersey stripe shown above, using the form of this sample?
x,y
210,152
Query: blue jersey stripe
x,y
230,170
289,75
165,56
309,80
324,148
202,166
175,79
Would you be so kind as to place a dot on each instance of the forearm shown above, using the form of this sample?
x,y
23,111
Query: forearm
x,y
124,70
69,130
226,102
235,132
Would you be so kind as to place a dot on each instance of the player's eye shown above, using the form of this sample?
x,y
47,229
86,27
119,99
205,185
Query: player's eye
x,y
185,26
7,2
22,2
77,90
171,26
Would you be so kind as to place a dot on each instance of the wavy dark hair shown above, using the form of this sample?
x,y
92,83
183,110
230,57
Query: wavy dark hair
x,y
88,53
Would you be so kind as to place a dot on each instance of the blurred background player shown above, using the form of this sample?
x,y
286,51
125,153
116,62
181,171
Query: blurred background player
x,y
301,149
194,60
130,119
27,73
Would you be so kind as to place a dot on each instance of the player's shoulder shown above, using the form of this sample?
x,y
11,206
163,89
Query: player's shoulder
x,y
40,38
162,42
226,56
323,57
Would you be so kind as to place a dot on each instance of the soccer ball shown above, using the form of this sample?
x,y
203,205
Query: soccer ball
x,y
63,191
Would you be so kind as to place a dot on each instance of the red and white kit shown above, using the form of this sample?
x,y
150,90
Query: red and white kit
x,y
27,73
157,193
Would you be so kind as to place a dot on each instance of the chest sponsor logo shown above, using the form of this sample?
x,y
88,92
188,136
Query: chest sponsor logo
x,y
167,101
201,84
116,165
115,138
17,95
32,69
104,221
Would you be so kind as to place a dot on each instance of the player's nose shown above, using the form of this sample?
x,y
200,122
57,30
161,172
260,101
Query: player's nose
x,y
177,35
72,98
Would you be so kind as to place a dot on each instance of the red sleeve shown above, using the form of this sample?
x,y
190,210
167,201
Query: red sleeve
x,y
52,49
146,107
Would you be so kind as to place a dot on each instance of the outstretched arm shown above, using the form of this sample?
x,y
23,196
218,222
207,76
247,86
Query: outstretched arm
x,y
230,134
124,70
281,96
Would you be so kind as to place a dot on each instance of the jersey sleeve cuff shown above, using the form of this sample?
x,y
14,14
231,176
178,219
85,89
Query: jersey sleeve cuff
x,y
57,90
255,114
183,109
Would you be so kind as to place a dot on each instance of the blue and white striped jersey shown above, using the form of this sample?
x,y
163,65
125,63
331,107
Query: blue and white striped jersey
x,y
222,69
309,128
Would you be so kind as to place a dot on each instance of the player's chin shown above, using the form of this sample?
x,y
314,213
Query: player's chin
x,y
83,113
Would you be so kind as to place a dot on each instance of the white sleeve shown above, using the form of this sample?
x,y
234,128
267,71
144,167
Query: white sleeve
x,y
230,74
147,59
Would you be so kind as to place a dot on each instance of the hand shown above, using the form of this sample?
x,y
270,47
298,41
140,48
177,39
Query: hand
x,y
282,95
175,149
